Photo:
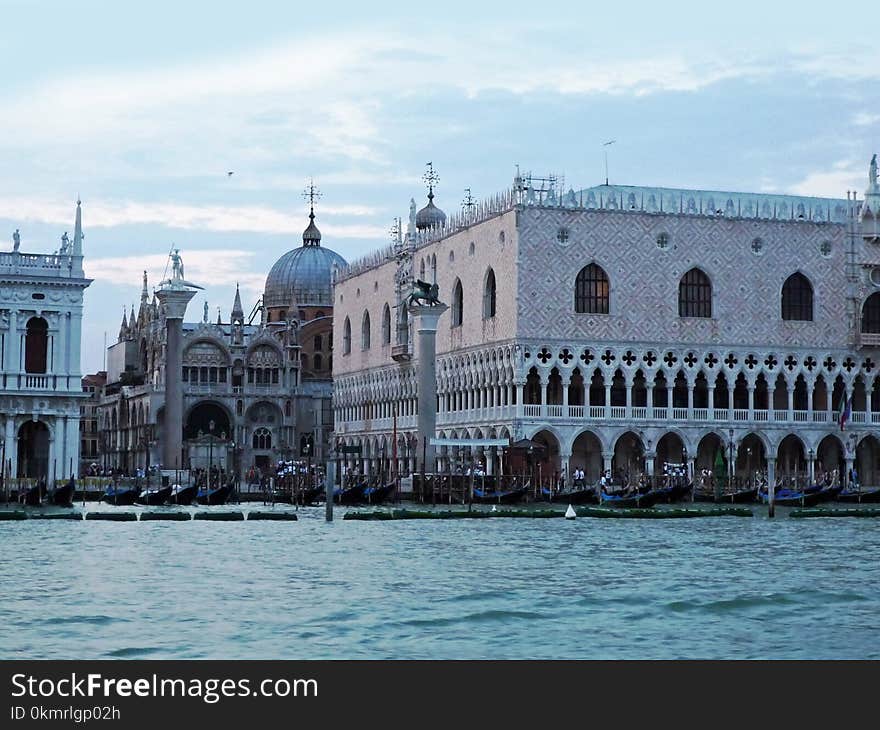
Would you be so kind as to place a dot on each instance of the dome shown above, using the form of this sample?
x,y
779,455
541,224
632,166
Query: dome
x,y
430,216
303,274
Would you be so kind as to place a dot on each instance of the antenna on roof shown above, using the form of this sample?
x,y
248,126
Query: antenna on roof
x,y
606,145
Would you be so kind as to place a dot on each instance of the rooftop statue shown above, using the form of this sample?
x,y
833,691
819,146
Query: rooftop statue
x,y
177,281
65,244
872,171
424,293
16,240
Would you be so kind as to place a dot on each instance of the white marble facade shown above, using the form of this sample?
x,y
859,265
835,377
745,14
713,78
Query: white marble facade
x,y
41,304
639,384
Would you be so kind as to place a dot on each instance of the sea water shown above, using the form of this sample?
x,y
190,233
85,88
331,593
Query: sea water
x,y
723,587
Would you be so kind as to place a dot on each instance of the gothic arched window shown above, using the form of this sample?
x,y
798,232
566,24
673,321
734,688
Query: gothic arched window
x,y
695,295
457,304
365,331
36,345
489,295
262,439
591,290
797,298
386,325
346,337
871,314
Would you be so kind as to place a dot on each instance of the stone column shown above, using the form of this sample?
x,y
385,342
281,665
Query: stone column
x,y
690,387
606,460
173,299
730,390
649,399
629,398
771,471
650,456
669,389
711,389
751,389
790,403
607,400
426,330
11,446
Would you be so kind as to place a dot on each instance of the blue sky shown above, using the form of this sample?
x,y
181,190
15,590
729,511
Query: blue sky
x,y
141,110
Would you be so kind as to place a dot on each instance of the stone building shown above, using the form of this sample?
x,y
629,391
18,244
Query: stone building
x,y
256,388
41,301
93,387
624,327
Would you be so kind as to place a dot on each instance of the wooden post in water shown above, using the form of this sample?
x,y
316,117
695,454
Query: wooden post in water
x,y
771,490
329,480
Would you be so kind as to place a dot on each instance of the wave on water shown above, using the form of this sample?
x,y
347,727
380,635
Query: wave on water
x,y
488,616
132,652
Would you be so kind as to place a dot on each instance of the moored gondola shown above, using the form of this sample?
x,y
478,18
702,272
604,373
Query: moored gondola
x,y
625,499
503,496
578,495
310,495
120,495
155,496
63,496
377,495
218,495
183,494
350,495
859,495
673,493
32,496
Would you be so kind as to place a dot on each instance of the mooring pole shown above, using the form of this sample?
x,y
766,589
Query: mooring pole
x,y
772,496
329,480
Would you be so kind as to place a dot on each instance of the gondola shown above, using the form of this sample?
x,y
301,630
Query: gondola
x,y
800,498
675,493
310,495
628,500
377,495
350,495
154,496
218,495
509,496
120,495
182,494
63,496
859,496
33,497
581,495
741,496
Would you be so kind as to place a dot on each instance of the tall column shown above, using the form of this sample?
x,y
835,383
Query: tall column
x,y
629,398
11,445
690,387
669,389
771,471
566,382
607,400
173,299
426,329
729,403
606,460
829,393
751,389
791,402
771,396
649,398
711,402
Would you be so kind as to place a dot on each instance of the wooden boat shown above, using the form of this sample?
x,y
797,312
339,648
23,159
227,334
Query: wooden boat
x,y
183,494
377,495
218,495
859,496
310,495
350,495
800,497
628,500
580,495
741,496
33,496
120,495
504,496
63,496
675,493
154,496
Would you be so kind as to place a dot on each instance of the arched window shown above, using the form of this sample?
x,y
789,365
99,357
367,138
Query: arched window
x,y
457,304
433,268
365,331
316,343
797,298
489,295
262,439
36,345
591,290
318,362
695,295
386,325
346,337
871,314
422,270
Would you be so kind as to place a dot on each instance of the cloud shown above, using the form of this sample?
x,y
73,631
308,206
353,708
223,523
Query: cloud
x,y
245,219
844,175
866,119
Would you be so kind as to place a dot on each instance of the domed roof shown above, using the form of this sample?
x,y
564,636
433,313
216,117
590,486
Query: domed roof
x,y
430,216
303,274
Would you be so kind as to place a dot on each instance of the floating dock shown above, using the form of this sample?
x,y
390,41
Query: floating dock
x,y
829,512
610,512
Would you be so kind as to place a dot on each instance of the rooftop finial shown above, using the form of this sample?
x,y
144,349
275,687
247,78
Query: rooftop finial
x,y
312,194
311,235
872,173
431,178
468,204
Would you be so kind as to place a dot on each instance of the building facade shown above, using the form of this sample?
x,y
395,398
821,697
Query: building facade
x,y
93,388
623,327
41,304
257,388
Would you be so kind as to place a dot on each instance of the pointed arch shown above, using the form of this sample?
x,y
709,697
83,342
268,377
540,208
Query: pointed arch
x,y
797,298
871,314
346,337
695,295
386,325
489,294
592,290
457,304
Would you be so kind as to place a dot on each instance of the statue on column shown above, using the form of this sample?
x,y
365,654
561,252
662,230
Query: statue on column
x,y
177,281
205,315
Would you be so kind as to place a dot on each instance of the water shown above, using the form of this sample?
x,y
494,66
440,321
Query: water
x,y
590,588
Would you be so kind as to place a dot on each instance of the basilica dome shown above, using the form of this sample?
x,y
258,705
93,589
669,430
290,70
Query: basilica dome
x,y
430,216
303,274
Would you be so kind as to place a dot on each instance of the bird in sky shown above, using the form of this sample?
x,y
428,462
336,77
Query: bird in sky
x,y
229,174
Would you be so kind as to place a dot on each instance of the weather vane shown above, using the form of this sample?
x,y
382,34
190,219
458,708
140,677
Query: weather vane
x,y
468,204
311,193
431,177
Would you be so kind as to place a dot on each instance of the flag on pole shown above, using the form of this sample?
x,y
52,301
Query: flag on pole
x,y
845,412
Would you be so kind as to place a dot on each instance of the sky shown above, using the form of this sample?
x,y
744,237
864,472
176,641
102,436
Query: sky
x,y
142,110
